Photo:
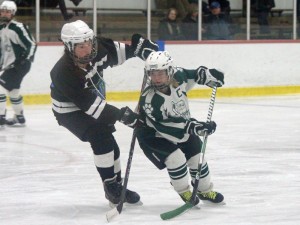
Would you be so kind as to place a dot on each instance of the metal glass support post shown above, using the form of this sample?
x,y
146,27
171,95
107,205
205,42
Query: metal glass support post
x,y
200,20
295,20
95,17
149,19
37,20
248,19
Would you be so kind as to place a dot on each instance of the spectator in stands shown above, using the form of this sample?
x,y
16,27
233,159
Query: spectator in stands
x,y
53,4
62,6
190,24
169,28
262,9
182,6
17,51
225,5
217,25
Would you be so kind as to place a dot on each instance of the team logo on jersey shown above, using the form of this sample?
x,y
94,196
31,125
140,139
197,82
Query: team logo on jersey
x,y
148,109
96,83
180,109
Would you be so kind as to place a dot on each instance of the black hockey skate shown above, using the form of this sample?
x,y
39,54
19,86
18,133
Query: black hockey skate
x,y
211,197
113,190
16,121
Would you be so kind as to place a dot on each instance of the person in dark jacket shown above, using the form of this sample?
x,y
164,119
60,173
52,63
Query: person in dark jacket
x,y
217,25
224,5
190,24
262,9
169,28
51,4
79,98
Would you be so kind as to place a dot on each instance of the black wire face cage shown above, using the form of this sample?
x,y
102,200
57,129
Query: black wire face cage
x,y
170,73
88,58
160,87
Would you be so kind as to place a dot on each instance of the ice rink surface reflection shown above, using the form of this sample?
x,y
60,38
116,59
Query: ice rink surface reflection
x,y
48,177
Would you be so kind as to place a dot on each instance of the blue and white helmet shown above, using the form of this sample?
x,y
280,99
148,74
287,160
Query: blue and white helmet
x,y
78,32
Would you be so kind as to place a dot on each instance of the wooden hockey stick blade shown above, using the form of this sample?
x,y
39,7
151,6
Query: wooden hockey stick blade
x,y
176,212
112,214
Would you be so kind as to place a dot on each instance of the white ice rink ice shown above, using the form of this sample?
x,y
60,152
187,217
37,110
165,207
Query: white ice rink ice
x,y
48,176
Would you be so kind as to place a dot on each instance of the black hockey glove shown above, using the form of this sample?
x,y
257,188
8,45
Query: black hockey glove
x,y
129,118
199,128
210,77
142,47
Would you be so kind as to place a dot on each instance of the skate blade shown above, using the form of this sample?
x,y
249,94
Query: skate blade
x,y
209,203
112,205
16,125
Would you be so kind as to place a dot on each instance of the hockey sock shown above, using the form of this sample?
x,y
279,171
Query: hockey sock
x,y
177,169
16,101
205,183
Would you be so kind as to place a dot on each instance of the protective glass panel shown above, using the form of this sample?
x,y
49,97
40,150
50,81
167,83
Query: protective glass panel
x,y
271,19
119,19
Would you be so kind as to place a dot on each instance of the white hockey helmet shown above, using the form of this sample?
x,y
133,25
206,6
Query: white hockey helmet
x,y
160,60
78,32
9,5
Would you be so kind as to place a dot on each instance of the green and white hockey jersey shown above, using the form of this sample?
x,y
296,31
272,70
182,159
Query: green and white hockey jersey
x,y
168,114
16,43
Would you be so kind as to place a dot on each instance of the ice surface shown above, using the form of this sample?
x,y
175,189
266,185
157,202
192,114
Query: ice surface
x,y
47,176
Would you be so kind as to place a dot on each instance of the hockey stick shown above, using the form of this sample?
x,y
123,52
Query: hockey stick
x,y
192,202
118,209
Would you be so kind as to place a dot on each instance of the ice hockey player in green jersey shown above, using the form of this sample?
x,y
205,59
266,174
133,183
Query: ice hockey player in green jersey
x,y
170,137
17,51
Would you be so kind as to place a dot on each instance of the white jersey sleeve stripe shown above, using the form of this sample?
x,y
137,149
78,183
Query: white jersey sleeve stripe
x,y
175,125
99,109
63,104
101,62
33,44
121,53
63,107
165,135
94,106
64,110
